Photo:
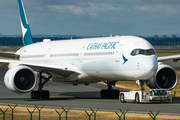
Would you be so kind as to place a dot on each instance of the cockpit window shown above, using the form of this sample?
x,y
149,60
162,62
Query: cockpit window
x,y
143,52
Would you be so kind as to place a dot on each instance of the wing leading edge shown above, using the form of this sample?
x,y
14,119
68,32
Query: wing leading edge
x,y
55,69
5,62
63,70
174,58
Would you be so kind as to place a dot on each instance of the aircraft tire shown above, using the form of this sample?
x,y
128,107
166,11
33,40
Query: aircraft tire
x,y
45,94
109,93
103,93
115,94
35,94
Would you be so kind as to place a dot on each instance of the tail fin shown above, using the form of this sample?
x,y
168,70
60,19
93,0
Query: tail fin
x,y
26,33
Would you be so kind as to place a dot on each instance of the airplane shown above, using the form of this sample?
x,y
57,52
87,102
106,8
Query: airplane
x,y
84,61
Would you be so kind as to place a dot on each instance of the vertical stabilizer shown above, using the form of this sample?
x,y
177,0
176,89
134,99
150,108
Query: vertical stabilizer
x,y
26,33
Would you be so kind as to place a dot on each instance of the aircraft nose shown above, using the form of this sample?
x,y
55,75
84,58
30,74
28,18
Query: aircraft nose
x,y
149,66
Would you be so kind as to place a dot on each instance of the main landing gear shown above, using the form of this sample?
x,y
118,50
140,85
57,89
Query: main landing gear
x,y
110,93
40,93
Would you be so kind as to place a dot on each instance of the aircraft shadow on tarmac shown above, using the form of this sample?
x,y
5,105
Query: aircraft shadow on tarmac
x,y
74,95
71,96
87,95
63,96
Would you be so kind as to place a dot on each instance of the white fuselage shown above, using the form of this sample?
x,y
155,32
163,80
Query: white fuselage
x,y
96,59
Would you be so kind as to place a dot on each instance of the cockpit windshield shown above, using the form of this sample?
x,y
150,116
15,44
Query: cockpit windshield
x,y
142,52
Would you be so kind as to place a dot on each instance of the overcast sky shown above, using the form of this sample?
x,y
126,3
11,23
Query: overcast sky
x,y
93,17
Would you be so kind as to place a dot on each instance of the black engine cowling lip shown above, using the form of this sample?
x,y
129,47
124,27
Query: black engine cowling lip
x,y
19,90
169,67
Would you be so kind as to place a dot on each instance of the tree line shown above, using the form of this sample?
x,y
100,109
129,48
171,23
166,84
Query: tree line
x,y
164,41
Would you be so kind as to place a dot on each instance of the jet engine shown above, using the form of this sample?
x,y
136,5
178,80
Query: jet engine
x,y
20,79
165,78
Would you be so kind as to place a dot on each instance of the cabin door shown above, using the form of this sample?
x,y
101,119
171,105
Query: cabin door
x,y
47,55
118,53
81,54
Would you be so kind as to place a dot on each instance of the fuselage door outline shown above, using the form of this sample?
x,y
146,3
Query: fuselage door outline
x,y
81,54
118,53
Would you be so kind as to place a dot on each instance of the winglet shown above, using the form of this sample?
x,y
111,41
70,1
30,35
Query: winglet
x,y
26,33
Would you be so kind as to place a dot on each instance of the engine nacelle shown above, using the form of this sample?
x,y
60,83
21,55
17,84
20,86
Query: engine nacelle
x,y
20,79
165,78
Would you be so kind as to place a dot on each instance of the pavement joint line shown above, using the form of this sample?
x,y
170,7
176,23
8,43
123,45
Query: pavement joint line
x,y
85,99
100,100
172,104
57,97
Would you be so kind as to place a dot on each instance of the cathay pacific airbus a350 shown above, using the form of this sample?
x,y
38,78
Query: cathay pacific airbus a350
x,y
84,61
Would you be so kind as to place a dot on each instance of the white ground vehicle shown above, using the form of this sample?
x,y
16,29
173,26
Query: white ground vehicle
x,y
153,95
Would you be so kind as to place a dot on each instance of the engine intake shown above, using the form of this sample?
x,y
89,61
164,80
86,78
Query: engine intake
x,y
20,79
165,78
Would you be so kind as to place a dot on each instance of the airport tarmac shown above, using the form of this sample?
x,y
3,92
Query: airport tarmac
x,y
82,97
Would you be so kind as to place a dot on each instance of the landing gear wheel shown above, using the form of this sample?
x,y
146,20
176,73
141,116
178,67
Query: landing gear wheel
x,y
40,93
103,93
44,94
35,94
109,93
137,98
122,98
116,94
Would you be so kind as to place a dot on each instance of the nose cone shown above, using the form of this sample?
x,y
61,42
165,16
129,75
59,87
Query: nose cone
x,y
149,67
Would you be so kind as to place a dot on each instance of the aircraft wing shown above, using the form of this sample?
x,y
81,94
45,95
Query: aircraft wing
x,y
174,58
4,62
55,69
9,55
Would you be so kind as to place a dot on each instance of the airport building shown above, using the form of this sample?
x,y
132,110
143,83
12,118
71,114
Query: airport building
x,y
173,36
156,36
164,36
